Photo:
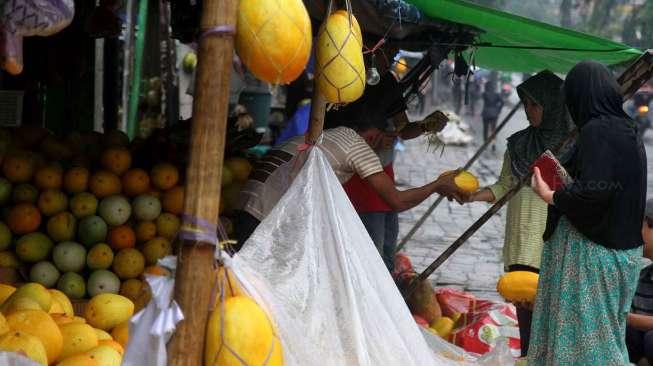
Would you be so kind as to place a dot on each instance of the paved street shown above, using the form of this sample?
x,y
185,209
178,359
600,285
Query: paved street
x,y
476,266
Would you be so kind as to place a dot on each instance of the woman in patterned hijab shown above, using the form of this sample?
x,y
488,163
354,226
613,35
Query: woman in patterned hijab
x,y
549,125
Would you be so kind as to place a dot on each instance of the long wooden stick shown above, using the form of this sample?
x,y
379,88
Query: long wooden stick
x,y
467,165
194,280
316,122
631,80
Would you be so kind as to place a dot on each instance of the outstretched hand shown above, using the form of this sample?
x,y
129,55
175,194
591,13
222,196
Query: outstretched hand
x,y
435,122
446,186
541,187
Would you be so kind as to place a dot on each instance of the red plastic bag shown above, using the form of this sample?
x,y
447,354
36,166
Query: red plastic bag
x,y
455,303
402,265
485,325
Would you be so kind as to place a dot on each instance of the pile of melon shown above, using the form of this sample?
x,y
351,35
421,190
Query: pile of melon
x,y
85,222
40,324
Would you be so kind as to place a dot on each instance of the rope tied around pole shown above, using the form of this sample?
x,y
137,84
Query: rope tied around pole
x,y
219,30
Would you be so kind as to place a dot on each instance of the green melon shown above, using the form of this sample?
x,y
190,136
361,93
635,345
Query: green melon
x,y
146,208
92,230
103,281
72,284
69,256
33,247
44,273
83,204
115,210
62,227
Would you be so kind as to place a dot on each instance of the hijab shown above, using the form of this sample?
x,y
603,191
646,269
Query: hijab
x,y
591,91
525,146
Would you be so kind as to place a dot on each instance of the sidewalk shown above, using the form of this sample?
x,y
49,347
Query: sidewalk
x,y
476,266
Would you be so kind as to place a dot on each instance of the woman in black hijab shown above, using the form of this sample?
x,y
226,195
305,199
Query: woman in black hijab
x,y
590,261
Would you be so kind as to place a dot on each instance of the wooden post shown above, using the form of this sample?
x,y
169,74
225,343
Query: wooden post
x,y
316,123
194,279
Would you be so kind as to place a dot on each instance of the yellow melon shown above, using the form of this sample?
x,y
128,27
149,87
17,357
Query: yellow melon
x,y
63,301
113,344
6,291
33,291
443,326
120,334
78,360
106,311
518,286
77,338
21,342
4,327
105,355
274,38
102,335
247,332
464,180
340,68
39,324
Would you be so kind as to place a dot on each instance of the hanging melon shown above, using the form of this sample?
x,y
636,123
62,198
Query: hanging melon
x,y
240,333
273,38
340,73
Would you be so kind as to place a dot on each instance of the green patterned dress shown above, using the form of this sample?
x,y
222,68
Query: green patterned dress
x,y
585,291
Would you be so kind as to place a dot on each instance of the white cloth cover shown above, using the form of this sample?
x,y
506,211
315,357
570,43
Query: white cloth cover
x,y
313,266
151,328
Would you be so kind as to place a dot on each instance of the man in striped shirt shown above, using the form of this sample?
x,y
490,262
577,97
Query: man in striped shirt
x,y
639,329
349,151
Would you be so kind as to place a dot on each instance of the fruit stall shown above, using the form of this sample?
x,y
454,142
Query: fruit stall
x,y
111,206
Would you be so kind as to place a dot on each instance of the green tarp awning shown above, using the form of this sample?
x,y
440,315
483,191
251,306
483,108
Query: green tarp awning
x,y
513,43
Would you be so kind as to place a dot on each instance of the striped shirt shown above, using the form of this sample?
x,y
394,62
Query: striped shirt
x,y
643,300
346,151
525,220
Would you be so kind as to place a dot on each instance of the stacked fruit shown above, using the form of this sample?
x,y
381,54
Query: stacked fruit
x,y
423,302
86,224
40,324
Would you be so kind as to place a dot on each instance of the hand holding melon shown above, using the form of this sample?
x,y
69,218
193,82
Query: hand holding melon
x,y
456,184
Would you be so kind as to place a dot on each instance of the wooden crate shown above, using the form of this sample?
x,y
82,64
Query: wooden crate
x,y
79,306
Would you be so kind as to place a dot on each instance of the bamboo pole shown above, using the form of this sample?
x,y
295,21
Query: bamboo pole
x,y
469,163
194,280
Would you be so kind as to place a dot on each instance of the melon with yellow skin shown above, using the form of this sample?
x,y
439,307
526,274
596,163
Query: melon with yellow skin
x,y
518,286
21,342
39,324
273,38
464,180
247,332
340,75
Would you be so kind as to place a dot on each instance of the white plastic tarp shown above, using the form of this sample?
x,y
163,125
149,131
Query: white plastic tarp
x,y
313,266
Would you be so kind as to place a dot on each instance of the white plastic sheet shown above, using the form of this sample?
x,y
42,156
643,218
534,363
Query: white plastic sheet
x,y
151,328
313,266
15,359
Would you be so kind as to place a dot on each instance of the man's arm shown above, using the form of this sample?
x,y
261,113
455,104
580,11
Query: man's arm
x,y
404,200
